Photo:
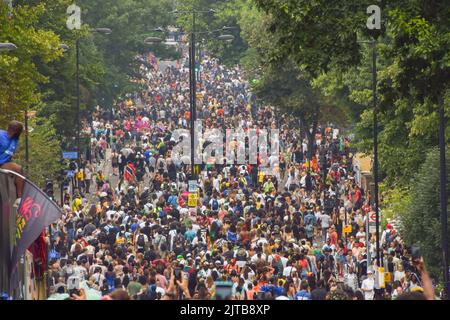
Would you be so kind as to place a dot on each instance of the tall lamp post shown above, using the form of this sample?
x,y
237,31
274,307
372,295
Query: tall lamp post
x,y
95,30
192,73
374,23
375,148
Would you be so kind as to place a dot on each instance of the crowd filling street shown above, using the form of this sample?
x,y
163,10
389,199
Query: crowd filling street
x,y
128,231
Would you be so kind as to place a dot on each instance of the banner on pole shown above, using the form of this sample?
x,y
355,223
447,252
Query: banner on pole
x,y
36,212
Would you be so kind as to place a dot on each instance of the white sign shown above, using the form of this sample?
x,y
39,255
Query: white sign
x,y
192,186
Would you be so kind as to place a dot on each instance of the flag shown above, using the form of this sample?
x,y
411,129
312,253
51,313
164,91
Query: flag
x,y
36,212
7,226
130,172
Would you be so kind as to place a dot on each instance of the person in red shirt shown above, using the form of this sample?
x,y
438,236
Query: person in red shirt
x,y
333,236
358,196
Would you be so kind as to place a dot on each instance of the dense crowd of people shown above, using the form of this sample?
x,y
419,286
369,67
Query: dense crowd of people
x,y
128,231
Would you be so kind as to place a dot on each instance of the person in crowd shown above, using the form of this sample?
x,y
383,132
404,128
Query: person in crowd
x,y
9,140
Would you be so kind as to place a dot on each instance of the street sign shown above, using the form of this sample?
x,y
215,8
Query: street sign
x,y
373,221
192,186
192,200
70,155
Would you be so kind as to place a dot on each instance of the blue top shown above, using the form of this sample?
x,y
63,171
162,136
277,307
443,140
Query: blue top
x,y
173,200
7,147
303,295
190,235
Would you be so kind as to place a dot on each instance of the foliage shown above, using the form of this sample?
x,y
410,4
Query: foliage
x,y
19,75
44,151
40,77
421,220
395,202
227,13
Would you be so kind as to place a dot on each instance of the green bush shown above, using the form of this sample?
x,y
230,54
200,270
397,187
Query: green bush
x,y
422,224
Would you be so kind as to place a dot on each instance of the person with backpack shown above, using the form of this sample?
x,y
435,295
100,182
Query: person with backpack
x,y
232,234
310,221
121,163
141,240
276,263
160,239
161,165
214,203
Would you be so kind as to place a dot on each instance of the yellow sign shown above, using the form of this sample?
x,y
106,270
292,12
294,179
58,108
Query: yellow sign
x,y
196,169
192,199
348,229
381,278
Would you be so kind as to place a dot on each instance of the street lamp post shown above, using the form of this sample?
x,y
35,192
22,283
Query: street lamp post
x,y
193,85
78,101
375,148
7,46
375,151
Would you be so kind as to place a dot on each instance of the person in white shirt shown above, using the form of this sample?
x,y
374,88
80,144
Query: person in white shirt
x,y
361,235
325,224
80,271
289,270
136,240
216,184
368,285
399,274
351,279
255,257
98,276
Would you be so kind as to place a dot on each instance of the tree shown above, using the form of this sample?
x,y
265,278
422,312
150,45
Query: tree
x,y
282,83
19,75
44,151
421,223
227,13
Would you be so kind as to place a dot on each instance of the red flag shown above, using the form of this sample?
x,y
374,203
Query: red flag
x,y
130,171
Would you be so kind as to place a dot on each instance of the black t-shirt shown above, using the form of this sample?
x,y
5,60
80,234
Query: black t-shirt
x,y
146,230
175,213
318,294
228,255
178,250
150,255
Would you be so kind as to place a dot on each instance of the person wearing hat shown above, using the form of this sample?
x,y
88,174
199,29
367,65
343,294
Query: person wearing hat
x,y
368,285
